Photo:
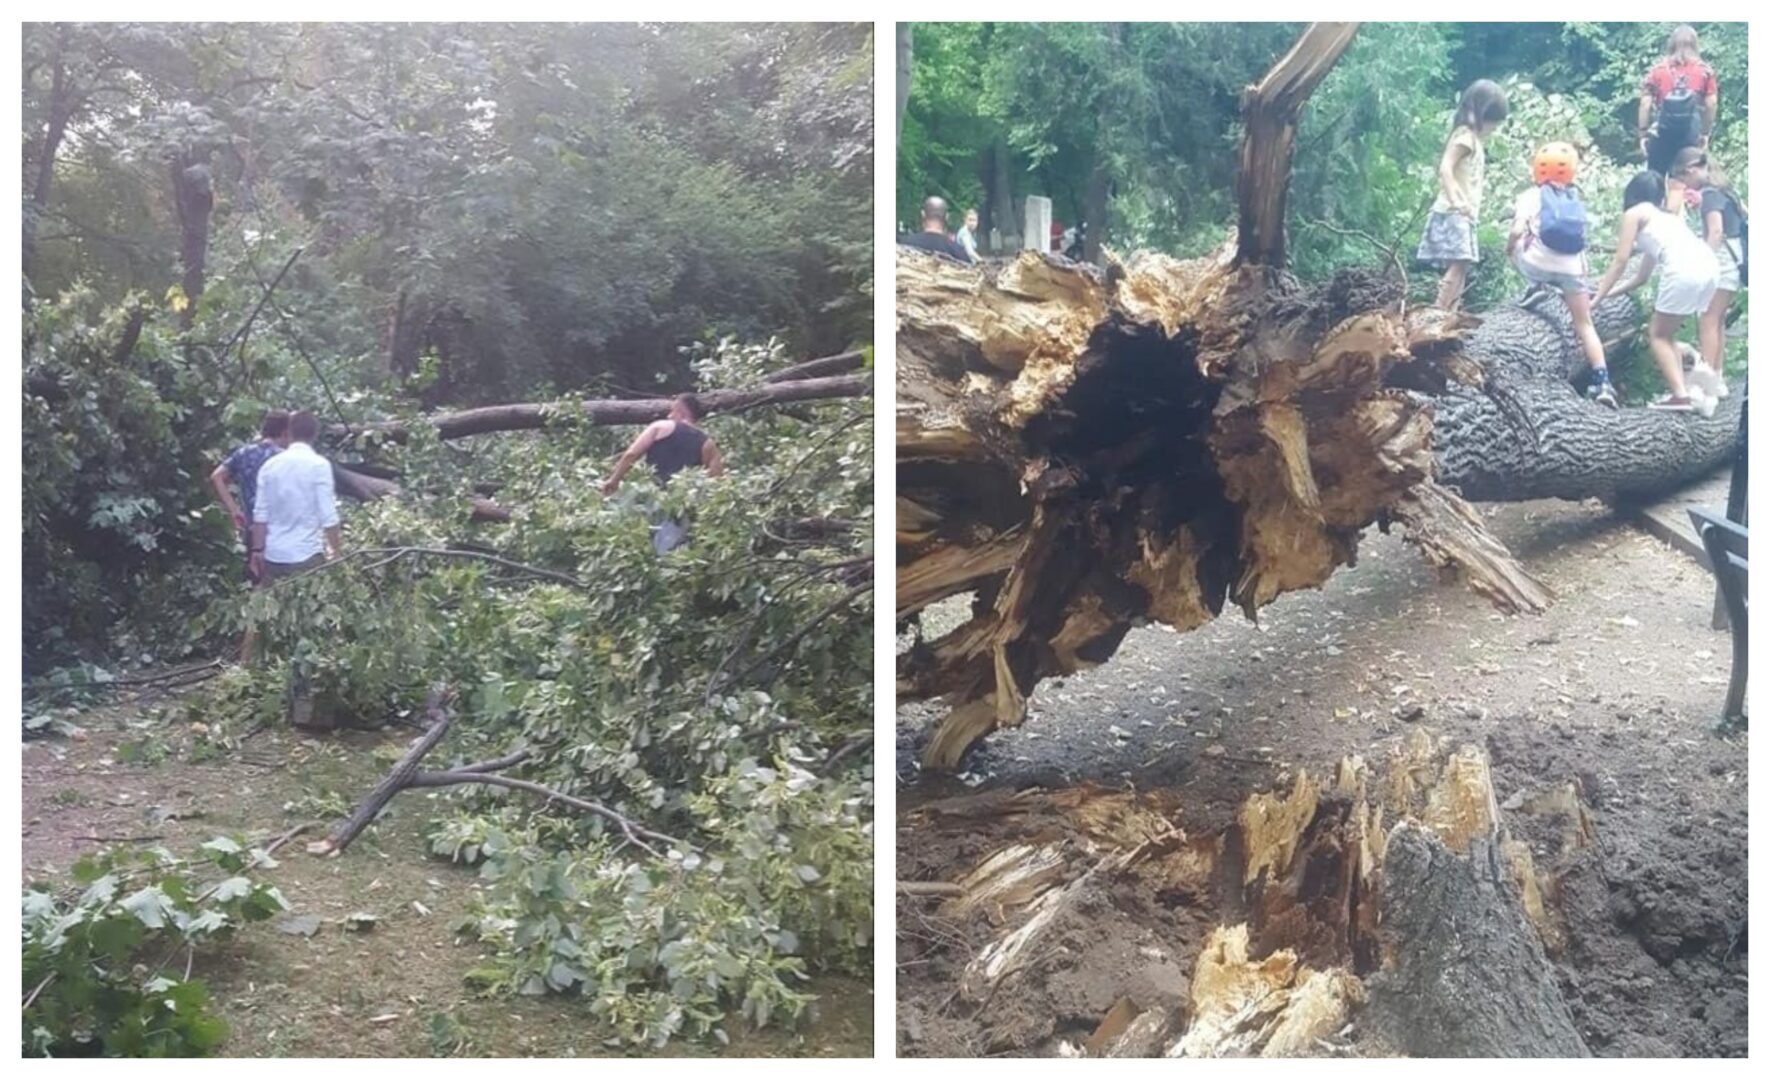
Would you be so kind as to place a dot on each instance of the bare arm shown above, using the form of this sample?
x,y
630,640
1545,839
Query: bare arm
x,y
1644,118
652,433
1710,106
219,480
1714,231
1454,153
1625,246
712,459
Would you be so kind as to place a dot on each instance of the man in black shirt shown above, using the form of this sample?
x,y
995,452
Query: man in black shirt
x,y
933,236
670,446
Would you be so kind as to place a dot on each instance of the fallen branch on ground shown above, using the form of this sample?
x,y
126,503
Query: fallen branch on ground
x,y
406,774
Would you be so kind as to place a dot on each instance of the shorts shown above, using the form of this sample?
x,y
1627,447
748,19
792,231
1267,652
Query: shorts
x,y
1449,237
1683,296
667,536
277,571
1729,260
1564,283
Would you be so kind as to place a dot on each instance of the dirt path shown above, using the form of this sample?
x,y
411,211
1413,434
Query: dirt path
x,y
1616,687
395,991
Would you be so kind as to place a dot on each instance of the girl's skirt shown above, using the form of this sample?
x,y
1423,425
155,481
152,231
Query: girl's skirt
x,y
1450,237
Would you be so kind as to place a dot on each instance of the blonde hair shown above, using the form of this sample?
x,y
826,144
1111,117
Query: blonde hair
x,y
1681,45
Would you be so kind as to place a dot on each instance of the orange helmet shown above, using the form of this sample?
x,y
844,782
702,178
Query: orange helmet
x,y
1555,163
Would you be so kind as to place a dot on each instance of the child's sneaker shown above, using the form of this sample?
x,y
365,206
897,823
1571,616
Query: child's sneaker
x,y
1668,403
1703,403
1704,378
1604,394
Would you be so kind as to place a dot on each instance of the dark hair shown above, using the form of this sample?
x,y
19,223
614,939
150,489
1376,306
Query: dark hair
x,y
1687,158
1681,45
1646,186
276,423
303,427
692,404
1483,103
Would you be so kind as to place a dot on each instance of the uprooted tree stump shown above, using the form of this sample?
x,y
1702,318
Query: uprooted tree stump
x,y
407,774
1082,451
1378,910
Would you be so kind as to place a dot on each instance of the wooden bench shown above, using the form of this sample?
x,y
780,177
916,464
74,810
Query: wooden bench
x,y
1724,540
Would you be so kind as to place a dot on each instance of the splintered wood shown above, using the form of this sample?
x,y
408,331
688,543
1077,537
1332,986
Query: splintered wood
x,y
1083,451
1325,939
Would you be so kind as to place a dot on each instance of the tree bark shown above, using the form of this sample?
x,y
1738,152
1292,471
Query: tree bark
x,y
533,415
1094,209
1270,111
822,367
1467,976
1532,436
61,110
906,33
1004,215
193,191
398,780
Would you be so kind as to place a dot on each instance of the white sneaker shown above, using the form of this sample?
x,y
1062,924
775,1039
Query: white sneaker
x,y
1702,402
1704,378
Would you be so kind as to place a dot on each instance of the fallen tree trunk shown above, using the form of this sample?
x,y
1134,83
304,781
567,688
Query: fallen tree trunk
x,y
1532,436
530,416
822,367
365,488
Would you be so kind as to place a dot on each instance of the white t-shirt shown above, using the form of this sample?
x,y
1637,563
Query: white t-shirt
x,y
1531,251
295,503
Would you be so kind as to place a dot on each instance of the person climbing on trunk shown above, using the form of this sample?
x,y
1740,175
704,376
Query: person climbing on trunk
x,y
1679,99
1724,228
1688,274
241,468
1449,240
670,445
1547,243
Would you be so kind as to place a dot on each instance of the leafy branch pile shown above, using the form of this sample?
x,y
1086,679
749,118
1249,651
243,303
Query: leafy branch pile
x,y
721,694
107,969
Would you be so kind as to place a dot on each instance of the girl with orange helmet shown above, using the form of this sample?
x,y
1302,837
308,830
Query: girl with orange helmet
x,y
1547,244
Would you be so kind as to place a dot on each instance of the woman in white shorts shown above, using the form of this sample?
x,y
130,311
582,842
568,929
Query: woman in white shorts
x,y
1688,276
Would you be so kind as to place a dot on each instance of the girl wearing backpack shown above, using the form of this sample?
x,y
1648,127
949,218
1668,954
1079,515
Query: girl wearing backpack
x,y
1688,275
1547,244
1449,242
1724,226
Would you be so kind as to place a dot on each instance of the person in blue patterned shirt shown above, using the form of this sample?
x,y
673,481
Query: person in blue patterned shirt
x,y
241,468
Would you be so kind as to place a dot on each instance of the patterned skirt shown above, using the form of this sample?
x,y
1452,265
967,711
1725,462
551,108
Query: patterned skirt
x,y
1450,237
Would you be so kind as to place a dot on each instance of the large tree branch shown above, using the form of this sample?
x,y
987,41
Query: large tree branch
x,y
530,416
1269,114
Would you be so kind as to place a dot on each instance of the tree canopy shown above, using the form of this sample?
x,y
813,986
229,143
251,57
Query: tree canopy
x,y
1132,127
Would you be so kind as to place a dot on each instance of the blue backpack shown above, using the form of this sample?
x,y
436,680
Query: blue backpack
x,y
1561,225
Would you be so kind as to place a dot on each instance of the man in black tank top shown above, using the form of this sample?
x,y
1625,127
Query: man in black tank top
x,y
671,446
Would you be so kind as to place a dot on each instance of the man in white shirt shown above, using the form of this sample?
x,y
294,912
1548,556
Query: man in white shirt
x,y
295,517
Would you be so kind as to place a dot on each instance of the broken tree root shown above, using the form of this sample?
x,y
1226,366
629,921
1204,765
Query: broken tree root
x,y
1371,911
406,774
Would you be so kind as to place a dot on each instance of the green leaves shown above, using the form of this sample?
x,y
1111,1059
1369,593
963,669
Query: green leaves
x,y
97,965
